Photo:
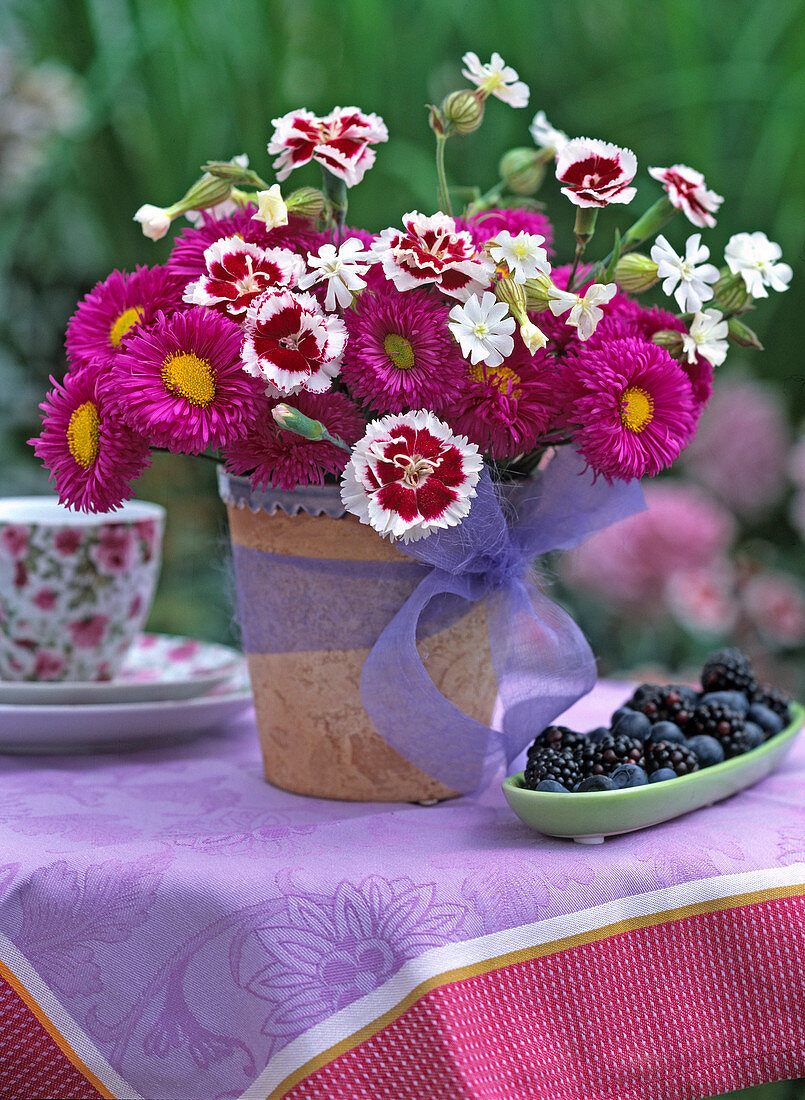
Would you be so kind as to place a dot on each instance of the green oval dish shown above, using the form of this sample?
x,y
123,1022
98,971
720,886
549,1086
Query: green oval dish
x,y
589,818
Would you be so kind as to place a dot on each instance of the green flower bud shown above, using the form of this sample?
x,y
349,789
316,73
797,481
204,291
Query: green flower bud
x,y
670,340
522,170
538,292
205,192
462,112
743,335
730,291
307,202
514,295
290,419
635,272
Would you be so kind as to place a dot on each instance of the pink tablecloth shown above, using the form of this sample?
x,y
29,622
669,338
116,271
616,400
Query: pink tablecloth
x,y
172,926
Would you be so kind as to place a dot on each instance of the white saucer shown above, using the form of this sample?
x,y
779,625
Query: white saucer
x,y
113,727
158,668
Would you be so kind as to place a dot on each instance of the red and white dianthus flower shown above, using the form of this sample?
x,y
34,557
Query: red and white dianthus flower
x,y
432,250
410,475
341,142
291,343
596,173
238,271
687,192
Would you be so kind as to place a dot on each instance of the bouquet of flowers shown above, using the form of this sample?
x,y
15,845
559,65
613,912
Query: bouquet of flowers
x,y
295,348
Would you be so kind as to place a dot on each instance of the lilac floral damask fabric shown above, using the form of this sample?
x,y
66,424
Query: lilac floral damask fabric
x,y
194,920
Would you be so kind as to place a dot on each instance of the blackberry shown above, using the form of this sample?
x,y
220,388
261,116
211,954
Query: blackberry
x,y
775,700
729,670
556,764
667,754
603,758
715,720
737,743
668,703
555,737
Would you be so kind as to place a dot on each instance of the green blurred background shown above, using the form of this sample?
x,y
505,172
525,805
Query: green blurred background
x,y
108,104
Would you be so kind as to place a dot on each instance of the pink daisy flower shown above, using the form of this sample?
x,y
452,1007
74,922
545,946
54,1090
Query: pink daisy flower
x,y
341,142
119,305
517,219
291,344
686,190
432,250
284,459
410,475
181,382
91,455
632,405
239,271
596,173
400,354
187,261
505,409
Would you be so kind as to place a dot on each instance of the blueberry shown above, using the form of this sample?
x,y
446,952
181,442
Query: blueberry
x,y
629,775
706,749
665,731
755,734
735,699
661,774
769,721
552,786
619,713
597,735
632,724
688,695
595,783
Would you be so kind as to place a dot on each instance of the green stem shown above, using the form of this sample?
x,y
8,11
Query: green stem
x,y
489,199
444,197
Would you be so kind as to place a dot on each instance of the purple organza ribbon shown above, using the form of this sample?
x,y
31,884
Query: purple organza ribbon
x,y
542,661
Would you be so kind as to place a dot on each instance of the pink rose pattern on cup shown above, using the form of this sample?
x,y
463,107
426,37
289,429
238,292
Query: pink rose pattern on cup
x,y
76,598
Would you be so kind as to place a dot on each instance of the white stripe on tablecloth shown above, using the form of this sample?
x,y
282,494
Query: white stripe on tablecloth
x,y
439,960
50,1006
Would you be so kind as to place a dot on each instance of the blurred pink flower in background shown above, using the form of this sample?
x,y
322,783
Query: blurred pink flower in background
x,y
632,561
776,604
703,599
740,450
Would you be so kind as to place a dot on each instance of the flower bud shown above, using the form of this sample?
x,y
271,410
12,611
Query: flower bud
x,y
155,221
743,335
670,340
206,191
307,202
292,420
271,207
730,291
522,170
514,295
538,292
462,111
650,223
533,338
635,272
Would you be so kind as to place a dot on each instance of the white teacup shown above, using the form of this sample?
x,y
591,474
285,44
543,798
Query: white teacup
x,y
75,588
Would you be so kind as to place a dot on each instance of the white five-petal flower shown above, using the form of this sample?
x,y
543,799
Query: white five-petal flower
x,y
585,310
707,337
689,284
523,254
341,269
546,136
497,79
483,329
754,257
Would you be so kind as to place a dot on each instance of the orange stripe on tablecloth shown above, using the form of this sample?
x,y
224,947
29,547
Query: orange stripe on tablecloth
x,y
594,935
53,1031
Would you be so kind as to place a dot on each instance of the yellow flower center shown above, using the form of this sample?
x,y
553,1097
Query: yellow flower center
x,y
191,377
83,434
637,408
125,321
504,379
399,351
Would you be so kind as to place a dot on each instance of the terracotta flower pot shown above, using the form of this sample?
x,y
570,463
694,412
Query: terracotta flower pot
x,y
302,617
